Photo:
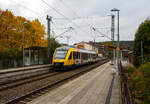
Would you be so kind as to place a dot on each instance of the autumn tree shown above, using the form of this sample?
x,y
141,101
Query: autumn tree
x,y
37,34
8,42
11,34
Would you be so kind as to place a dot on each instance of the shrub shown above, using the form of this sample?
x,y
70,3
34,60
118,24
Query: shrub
x,y
130,70
140,84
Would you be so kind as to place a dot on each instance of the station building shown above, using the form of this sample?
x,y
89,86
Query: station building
x,y
87,46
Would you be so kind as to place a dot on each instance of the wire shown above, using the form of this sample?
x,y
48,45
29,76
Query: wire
x,y
29,9
70,28
62,15
69,8
101,33
55,9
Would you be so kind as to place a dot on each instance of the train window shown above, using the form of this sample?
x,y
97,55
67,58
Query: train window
x,y
82,55
74,55
78,55
60,54
70,57
92,56
85,56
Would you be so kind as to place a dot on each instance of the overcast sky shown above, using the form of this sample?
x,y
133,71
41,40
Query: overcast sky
x,y
82,15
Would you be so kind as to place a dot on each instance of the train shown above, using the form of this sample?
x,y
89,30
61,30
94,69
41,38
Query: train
x,y
66,57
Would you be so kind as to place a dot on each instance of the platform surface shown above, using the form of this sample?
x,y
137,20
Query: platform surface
x,y
90,88
3,71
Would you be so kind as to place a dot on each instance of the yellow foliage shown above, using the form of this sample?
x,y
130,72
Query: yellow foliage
x,y
11,32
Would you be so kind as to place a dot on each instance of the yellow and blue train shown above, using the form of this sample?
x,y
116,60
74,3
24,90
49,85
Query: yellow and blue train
x,y
67,57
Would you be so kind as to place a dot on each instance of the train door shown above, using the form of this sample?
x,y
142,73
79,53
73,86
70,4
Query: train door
x,y
70,59
81,58
75,58
89,57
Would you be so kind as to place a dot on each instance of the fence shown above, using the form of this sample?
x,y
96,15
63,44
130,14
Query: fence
x,y
10,63
126,98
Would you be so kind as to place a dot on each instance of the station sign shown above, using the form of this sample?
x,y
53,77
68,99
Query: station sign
x,y
117,48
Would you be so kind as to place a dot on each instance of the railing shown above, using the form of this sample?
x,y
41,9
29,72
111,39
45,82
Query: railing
x,y
126,98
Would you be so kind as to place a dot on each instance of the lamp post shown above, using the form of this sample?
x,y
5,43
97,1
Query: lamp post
x,y
118,42
23,53
112,36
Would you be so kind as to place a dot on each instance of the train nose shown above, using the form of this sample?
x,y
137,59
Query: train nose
x,y
58,64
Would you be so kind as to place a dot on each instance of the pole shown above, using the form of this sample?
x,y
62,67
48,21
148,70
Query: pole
x,y
112,35
67,37
23,46
118,43
48,37
67,40
94,44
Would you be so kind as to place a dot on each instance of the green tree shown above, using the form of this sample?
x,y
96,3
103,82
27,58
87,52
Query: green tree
x,y
142,35
53,45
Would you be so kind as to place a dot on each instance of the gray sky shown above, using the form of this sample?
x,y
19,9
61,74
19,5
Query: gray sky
x,y
82,15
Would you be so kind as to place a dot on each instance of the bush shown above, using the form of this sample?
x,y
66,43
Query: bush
x,y
130,70
140,84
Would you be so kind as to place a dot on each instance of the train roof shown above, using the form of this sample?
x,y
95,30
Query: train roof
x,y
63,48
66,48
87,51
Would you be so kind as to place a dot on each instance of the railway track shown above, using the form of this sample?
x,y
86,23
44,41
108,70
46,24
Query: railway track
x,y
27,80
24,91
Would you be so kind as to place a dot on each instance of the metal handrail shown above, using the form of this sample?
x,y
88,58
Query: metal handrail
x,y
126,96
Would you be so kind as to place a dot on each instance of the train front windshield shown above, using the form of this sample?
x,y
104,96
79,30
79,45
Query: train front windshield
x,y
60,54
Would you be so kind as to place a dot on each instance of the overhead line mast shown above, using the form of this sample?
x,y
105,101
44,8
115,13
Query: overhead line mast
x,y
49,19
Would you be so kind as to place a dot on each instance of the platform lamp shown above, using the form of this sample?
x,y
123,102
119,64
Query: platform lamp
x,y
23,53
118,42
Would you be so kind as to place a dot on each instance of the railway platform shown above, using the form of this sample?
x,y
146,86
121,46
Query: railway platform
x,y
3,71
99,86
